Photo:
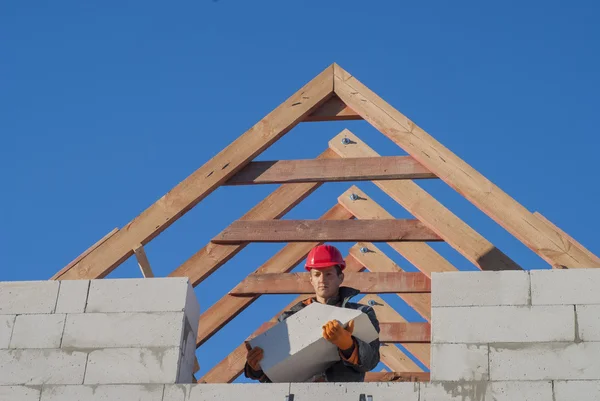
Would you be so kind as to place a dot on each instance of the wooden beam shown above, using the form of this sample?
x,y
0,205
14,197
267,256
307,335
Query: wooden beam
x,y
430,212
390,332
330,170
183,197
84,254
420,254
142,260
376,261
397,377
277,204
321,230
561,232
366,283
228,307
460,176
333,110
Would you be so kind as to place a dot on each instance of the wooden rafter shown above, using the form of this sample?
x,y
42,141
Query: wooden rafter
x,y
325,230
397,377
330,170
333,110
142,260
228,307
460,176
366,283
179,200
429,211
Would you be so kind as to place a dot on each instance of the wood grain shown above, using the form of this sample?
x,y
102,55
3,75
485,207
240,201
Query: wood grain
x,y
366,283
325,230
333,110
142,259
330,170
397,377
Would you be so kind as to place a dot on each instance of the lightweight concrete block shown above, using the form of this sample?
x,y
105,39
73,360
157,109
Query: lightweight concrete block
x,y
144,295
107,392
452,362
20,393
20,297
545,361
480,288
41,366
489,324
565,286
484,390
123,330
132,365
353,391
72,296
576,390
7,323
38,331
226,392
187,356
295,350
588,322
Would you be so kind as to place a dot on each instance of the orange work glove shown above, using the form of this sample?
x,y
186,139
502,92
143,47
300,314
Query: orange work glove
x,y
336,334
255,355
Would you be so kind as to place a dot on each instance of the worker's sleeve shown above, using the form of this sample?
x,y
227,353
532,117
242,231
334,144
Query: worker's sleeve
x,y
255,374
365,356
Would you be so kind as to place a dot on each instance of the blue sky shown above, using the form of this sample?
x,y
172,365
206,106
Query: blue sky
x,y
106,106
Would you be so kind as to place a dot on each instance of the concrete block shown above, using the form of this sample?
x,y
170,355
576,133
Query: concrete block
x,y
295,350
72,296
480,288
172,294
226,392
565,286
41,366
122,330
588,322
20,297
132,365
7,322
20,393
107,392
453,362
353,391
489,324
187,356
576,390
484,390
545,361
38,331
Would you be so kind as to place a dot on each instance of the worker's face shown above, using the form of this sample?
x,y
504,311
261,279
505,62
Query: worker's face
x,y
326,282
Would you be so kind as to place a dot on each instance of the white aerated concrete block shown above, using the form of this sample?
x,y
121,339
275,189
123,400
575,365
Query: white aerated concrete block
x,y
576,390
227,392
132,365
295,350
122,330
144,295
489,324
565,286
41,366
353,391
72,296
484,390
187,357
19,393
38,331
480,288
20,297
7,323
588,322
545,361
453,362
108,392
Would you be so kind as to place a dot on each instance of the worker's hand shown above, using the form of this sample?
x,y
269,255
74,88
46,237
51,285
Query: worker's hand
x,y
255,355
336,334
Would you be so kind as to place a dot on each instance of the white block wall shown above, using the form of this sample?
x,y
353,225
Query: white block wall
x,y
99,332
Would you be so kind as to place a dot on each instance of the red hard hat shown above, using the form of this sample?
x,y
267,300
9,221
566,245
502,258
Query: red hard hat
x,y
322,256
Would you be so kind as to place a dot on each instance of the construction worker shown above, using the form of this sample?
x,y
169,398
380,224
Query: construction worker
x,y
326,265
